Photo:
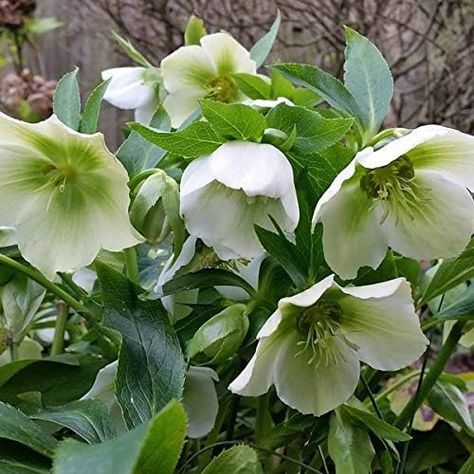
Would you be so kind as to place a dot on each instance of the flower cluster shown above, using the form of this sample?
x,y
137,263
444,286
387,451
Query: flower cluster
x,y
276,228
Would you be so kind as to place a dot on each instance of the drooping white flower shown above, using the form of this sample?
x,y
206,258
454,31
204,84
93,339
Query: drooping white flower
x,y
410,195
136,88
261,104
193,72
63,192
199,398
223,196
311,346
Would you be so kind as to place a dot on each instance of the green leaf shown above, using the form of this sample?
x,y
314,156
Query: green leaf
x,y
233,121
349,446
252,86
12,466
206,278
90,117
195,30
468,466
21,298
261,49
131,51
449,402
368,78
150,448
431,449
379,427
384,272
16,426
285,252
137,154
87,418
236,460
328,87
463,308
151,366
58,383
324,166
198,139
451,273
67,100
314,133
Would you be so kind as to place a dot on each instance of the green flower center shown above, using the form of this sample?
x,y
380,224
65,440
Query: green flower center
x,y
394,185
222,88
318,325
59,176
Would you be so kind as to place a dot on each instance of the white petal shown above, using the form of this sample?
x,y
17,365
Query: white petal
x,y
249,273
85,278
449,152
259,104
345,175
316,388
352,234
176,304
180,105
259,170
431,147
309,296
104,385
221,222
227,54
127,88
259,374
196,175
200,400
443,225
384,326
145,112
187,69
7,236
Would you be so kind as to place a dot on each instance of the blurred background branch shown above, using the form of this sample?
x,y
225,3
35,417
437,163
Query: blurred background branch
x,y
429,44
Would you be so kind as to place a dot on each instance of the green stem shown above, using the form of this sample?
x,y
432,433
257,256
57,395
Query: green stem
x,y
432,376
44,282
131,265
402,381
136,180
14,351
59,329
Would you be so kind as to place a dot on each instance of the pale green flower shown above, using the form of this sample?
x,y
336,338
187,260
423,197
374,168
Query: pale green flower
x,y
311,347
193,72
63,192
411,195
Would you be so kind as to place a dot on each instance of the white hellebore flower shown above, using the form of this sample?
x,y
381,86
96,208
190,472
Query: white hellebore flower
x,y
223,195
63,192
136,88
311,346
411,195
193,72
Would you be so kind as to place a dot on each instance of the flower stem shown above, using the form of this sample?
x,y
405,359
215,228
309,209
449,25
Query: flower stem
x,y
59,329
432,376
400,382
44,282
131,265
136,180
13,351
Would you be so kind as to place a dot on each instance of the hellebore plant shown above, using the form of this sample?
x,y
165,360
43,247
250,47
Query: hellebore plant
x,y
259,264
